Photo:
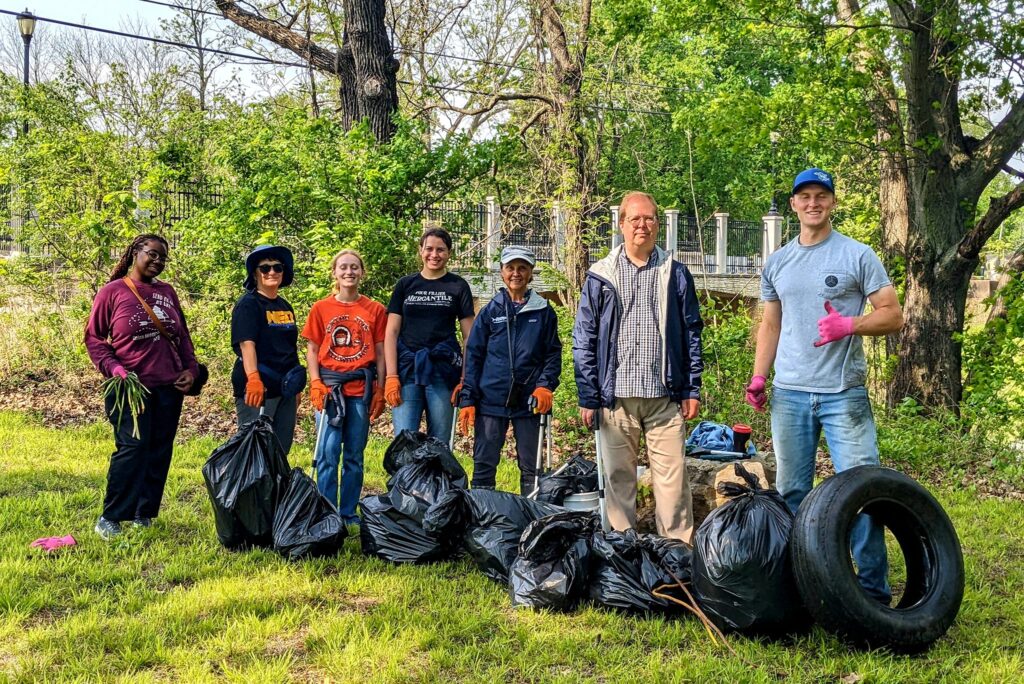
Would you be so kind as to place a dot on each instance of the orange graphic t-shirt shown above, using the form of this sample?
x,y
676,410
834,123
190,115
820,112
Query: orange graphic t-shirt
x,y
346,333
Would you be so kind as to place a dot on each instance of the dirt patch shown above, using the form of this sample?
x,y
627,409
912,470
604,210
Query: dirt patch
x,y
283,644
46,617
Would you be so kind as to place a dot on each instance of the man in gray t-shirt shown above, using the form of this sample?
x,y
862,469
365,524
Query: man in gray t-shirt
x,y
814,291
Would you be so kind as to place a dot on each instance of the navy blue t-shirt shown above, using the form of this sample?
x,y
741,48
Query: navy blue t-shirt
x,y
270,323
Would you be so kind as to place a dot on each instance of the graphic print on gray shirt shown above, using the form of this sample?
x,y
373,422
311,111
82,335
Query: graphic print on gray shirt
x,y
837,269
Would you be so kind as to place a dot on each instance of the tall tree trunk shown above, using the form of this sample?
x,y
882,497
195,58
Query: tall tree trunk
x,y
932,177
365,63
576,186
375,65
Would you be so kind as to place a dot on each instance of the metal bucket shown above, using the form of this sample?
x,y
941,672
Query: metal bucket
x,y
587,501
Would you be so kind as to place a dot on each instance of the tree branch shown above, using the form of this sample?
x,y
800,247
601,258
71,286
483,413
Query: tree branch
x,y
494,101
999,209
319,58
998,146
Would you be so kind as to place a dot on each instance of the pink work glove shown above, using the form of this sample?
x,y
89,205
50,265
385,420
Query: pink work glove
x,y
51,544
756,396
833,326
119,372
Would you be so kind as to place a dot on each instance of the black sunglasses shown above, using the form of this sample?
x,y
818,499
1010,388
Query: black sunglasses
x,y
267,268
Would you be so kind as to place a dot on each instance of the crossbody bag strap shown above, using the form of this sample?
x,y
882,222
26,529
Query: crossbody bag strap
x,y
152,316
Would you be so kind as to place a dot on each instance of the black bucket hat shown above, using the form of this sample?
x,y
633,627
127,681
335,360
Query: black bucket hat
x,y
282,254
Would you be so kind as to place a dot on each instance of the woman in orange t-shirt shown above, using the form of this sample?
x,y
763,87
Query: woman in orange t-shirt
x,y
345,355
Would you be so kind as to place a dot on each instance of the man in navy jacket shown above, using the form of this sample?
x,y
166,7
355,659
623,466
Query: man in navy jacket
x,y
638,363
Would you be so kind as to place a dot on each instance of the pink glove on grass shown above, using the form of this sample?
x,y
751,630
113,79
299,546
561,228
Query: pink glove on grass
x,y
51,544
833,326
119,372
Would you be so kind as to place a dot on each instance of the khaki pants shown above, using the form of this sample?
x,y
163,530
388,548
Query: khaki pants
x,y
660,422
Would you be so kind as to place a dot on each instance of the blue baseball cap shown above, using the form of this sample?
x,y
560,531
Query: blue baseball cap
x,y
814,177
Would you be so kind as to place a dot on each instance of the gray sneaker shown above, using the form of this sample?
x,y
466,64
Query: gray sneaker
x,y
107,529
143,522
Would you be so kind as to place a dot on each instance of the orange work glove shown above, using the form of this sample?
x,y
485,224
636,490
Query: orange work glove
x,y
467,417
543,397
254,390
317,393
455,394
376,403
393,391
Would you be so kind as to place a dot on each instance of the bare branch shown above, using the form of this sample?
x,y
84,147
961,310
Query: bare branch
x,y
998,146
319,58
999,209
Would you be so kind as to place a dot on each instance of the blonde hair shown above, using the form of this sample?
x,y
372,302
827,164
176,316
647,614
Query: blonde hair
x,y
632,195
334,262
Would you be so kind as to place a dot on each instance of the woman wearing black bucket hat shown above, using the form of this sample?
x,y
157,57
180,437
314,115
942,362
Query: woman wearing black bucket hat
x,y
264,335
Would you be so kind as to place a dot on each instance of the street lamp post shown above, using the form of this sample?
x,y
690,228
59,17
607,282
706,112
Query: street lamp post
x,y
774,137
26,25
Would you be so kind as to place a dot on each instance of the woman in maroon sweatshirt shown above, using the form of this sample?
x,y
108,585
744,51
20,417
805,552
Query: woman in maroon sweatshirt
x,y
121,337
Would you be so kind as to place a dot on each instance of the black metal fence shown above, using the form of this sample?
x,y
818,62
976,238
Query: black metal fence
x,y
467,224
528,225
695,244
9,238
532,225
745,241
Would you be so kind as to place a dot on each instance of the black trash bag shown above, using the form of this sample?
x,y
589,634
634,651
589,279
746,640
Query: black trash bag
x,y
742,577
488,524
245,477
306,525
392,524
431,472
627,568
392,530
578,476
552,567
399,452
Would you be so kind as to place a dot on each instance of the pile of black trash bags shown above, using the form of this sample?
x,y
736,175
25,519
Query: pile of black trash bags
x,y
737,572
548,557
259,503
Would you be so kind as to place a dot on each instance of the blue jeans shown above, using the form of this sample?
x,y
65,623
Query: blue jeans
x,y
436,399
348,442
797,422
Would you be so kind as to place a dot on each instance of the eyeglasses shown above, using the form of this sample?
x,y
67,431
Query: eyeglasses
x,y
155,255
637,220
267,268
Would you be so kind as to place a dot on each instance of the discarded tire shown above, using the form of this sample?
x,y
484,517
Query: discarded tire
x,y
825,577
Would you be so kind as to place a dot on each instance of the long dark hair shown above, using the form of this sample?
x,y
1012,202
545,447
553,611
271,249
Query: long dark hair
x,y
125,263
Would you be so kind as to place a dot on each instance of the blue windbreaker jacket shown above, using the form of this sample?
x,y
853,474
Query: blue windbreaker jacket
x,y
595,334
504,344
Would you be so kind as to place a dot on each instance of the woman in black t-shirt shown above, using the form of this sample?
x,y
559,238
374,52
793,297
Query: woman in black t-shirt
x,y
423,356
264,335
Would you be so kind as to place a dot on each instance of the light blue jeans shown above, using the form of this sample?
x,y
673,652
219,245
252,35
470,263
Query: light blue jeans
x,y
798,419
345,443
436,399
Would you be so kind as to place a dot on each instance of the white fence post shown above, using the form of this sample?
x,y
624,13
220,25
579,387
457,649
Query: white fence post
x,y
558,227
671,232
772,234
492,251
616,233
721,242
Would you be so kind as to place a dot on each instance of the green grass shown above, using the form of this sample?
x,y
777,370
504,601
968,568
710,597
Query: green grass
x,y
167,603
